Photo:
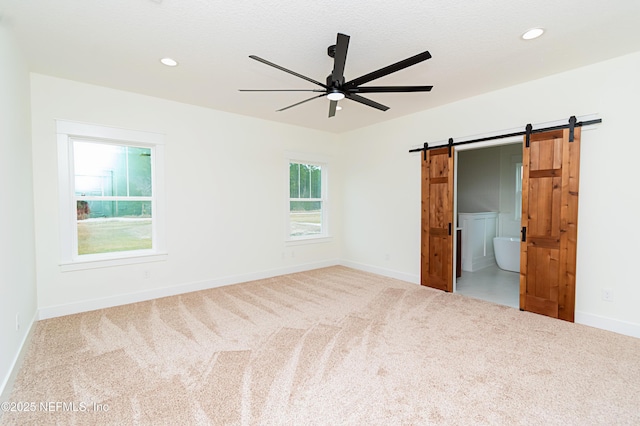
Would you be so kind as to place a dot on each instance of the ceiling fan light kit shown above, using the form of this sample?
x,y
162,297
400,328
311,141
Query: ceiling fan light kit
x,y
335,95
337,89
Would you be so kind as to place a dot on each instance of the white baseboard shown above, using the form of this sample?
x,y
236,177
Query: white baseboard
x,y
124,299
414,279
617,326
610,324
9,380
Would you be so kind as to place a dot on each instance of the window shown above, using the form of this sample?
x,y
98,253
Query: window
x,y
518,208
111,199
307,216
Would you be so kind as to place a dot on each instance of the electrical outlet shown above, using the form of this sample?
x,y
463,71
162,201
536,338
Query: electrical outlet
x,y
147,274
607,295
17,322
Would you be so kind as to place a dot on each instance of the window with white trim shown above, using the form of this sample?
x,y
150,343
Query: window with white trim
x,y
518,206
111,194
307,204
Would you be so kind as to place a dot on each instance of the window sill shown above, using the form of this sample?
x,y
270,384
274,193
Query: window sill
x,y
308,240
80,265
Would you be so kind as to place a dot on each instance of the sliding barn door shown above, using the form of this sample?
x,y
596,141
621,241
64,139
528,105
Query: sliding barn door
x,y
549,223
437,219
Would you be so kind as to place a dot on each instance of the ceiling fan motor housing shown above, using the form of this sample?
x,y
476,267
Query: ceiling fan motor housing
x,y
334,84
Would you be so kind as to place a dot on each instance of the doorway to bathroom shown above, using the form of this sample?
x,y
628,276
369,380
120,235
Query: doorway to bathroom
x,y
488,201
549,201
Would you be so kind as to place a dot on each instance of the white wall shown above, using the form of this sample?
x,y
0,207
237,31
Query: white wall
x,y
17,267
382,188
375,185
486,182
226,183
479,180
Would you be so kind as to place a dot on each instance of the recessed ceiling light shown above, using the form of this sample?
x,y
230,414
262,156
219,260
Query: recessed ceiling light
x,y
169,62
532,33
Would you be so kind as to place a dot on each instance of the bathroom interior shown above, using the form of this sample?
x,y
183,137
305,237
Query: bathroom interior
x,y
489,200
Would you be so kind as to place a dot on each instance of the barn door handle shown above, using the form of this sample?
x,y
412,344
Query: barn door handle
x,y
524,234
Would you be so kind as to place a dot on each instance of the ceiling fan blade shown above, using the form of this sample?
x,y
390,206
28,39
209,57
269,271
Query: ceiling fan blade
x,y
420,57
332,108
340,58
281,90
390,89
366,101
271,64
298,103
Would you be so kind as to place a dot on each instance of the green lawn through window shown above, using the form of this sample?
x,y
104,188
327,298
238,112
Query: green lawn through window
x,y
106,235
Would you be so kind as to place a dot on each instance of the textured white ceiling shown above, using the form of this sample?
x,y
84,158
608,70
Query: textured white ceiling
x,y
476,48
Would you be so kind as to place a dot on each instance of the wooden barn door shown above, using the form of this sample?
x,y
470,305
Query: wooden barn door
x,y
549,223
437,219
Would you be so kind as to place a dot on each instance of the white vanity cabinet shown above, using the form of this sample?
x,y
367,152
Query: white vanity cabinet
x,y
478,230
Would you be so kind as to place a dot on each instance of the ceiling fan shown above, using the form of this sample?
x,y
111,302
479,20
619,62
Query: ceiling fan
x,y
337,89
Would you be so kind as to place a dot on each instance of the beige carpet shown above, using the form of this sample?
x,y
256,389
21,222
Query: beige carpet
x,y
331,346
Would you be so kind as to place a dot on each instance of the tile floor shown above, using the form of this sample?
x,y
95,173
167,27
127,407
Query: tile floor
x,y
491,284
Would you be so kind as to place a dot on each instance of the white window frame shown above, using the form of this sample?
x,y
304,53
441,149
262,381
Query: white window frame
x,y
67,133
323,162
